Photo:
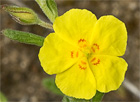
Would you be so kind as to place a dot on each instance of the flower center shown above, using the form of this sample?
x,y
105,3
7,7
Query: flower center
x,y
95,47
95,61
84,47
87,50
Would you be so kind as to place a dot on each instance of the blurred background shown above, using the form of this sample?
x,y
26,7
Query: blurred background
x,y
21,74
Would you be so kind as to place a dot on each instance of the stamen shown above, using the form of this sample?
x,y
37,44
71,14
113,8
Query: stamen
x,y
81,40
83,68
83,62
74,54
77,54
95,47
82,43
82,65
71,54
98,62
95,61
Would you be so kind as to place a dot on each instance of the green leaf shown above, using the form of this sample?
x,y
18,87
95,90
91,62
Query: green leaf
x,y
53,7
49,83
49,8
2,97
24,37
71,99
65,99
96,98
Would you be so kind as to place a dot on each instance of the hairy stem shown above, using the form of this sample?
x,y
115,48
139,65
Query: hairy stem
x,y
45,24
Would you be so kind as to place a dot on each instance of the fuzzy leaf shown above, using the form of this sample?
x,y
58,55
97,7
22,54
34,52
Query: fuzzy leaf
x,y
71,99
24,37
49,8
49,83
96,98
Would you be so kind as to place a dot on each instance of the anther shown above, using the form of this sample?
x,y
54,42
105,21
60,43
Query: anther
x,y
83,62
95,47
95,61
83,68
71,54
74,54
81,40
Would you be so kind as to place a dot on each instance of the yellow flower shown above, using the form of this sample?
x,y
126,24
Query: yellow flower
x,y
83,51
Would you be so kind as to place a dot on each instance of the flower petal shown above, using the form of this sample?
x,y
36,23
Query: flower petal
x,y
75,24
55,55
109,72
111,35
77,81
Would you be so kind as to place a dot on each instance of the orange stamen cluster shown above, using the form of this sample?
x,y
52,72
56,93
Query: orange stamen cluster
x,y
83,65
81,40
86,49
74,54
95,47
82,43
95,61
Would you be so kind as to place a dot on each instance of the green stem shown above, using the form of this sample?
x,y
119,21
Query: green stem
x,y
45,24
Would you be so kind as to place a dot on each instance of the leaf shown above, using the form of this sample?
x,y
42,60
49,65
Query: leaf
x,y
96,98
53,7
2,98
24,37
71,99
49,83
65,99
49,8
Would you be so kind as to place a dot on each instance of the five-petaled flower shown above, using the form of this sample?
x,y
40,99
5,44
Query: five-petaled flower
x,y
83,53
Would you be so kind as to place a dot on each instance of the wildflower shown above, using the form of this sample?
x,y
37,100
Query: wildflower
x,y
83,53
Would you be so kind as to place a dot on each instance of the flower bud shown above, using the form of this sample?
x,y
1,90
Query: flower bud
x,y
22,15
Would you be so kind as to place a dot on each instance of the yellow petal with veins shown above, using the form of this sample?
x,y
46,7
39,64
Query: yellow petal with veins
x,y
109,71
74,25
78,81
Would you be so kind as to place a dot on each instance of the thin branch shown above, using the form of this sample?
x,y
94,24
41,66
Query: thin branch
x,y
132,88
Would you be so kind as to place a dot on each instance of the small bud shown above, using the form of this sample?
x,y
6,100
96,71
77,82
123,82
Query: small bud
x,y
22,15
